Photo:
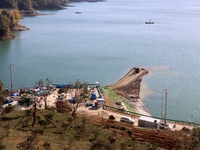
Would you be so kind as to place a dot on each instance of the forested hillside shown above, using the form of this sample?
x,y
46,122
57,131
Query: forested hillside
x,y
10,13
32,4
8,20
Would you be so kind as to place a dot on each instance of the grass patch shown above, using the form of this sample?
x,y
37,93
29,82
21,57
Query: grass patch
x,y
111,94
116,98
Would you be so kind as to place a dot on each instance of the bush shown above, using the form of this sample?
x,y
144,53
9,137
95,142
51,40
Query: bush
x,y
8,108
101,145
62,90
42,122
49,116
25,101
107,126
2,147
121,128
129,132
118,127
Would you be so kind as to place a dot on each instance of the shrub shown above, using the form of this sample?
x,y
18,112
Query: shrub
x,y
129,132
107,126
121,128
25,101
62,90
49,116
2,146
47,145
8,108
101,145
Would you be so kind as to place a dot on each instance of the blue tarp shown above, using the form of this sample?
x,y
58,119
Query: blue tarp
x,y
89,104
73,100
62,85
7,101
93,96
14,94
36,87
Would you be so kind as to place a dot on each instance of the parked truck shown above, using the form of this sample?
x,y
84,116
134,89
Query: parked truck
x,y
149,122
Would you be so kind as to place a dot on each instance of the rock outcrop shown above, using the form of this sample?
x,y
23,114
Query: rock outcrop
x,y
7,36
19,27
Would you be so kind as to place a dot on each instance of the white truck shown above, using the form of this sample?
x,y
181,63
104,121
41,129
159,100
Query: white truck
x,y
149,122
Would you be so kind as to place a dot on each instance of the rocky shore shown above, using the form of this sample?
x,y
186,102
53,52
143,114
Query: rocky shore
x,y
19,27
9,36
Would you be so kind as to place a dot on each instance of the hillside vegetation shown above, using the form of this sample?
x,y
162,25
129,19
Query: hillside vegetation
x,y
33,4
10,11
61,131
8,21
80,132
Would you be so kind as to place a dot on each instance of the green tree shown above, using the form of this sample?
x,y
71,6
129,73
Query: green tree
x,y
25,5
4,24
8,4
2,97
48,82
39,83
77,95
16,15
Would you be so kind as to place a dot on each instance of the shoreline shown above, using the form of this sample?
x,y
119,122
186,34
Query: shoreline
x,y
139,105
144,92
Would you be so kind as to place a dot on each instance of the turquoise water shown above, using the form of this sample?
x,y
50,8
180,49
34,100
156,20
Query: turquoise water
x,y
105,41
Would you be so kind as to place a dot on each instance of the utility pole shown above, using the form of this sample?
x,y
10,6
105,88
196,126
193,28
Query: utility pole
x,y
11,77
34,114
165,112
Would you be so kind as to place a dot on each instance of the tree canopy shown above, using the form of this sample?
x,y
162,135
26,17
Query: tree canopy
x,y
2,98
29,5
10,15
8,19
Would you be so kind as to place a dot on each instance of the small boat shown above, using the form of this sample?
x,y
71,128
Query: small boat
x,y
78,12
149,22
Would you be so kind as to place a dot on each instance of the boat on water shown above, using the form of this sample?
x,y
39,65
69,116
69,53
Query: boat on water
x,y
149,22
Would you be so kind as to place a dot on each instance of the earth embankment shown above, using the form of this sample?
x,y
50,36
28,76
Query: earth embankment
x,y
129,85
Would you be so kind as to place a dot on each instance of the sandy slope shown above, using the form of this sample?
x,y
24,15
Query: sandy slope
x,y
129,87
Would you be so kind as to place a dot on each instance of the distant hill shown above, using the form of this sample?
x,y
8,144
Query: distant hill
x,y
10,15
33,4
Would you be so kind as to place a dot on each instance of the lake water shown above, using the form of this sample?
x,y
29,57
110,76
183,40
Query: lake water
x,y
105,41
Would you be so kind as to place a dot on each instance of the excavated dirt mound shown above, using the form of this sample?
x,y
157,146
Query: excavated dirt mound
x,y
129,85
